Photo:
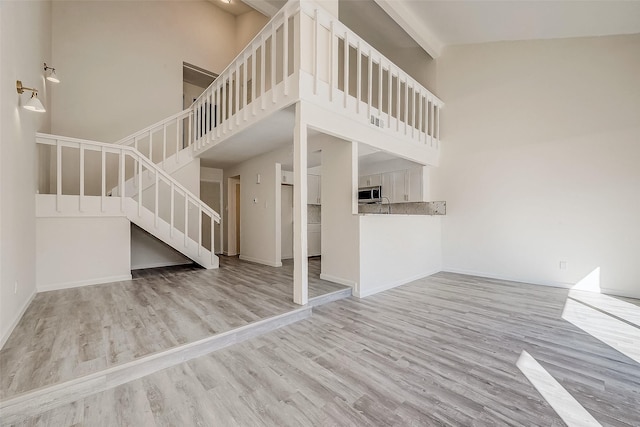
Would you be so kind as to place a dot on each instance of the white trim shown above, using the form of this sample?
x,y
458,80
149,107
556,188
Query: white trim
x,y
562,285
78,284
263,7
417,30
338,280
260,261
49,397
161,264
6,336
509,278
625,294
358,293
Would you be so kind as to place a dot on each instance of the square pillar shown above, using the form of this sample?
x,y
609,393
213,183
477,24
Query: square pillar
x,y
300,259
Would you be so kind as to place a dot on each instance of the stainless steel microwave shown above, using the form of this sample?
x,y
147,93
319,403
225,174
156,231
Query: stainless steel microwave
x,y
370,194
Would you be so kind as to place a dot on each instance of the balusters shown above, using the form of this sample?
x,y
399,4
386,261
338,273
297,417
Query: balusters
x,y
186,220
199,230
347,48
285,65
274,47
121,180
316,48
369,84
172,204
156,195
81,198
359,77
263,47
103,181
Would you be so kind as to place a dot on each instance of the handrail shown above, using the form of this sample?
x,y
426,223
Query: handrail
x,y
180,115
181,140
48,139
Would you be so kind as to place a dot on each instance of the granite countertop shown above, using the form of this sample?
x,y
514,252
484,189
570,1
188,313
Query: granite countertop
x,y
409,208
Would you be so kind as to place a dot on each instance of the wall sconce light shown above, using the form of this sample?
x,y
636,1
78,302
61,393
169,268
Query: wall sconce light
x,y
34,103
51,74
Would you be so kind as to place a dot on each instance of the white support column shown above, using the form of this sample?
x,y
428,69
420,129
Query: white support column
x,y
300,260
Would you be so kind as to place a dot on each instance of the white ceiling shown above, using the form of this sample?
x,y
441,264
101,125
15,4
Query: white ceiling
x,y
435,24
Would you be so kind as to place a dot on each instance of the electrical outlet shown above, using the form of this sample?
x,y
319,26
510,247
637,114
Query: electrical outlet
x,y
15,288
563,265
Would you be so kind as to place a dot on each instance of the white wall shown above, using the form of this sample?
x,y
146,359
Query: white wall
x,y
25,30
82,262
541,160
247,26
149,252
260,220
397,249
121,62
340,230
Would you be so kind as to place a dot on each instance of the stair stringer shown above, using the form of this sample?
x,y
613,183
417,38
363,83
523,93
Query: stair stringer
x,y
161,230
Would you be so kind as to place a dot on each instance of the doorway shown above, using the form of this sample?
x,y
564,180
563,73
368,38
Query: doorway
x,y
234,195
211,194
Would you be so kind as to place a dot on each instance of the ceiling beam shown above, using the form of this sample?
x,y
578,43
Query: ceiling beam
x,y
399,12
262,6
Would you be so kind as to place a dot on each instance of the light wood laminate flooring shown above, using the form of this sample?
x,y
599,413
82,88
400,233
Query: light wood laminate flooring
x,y
70,333
439,351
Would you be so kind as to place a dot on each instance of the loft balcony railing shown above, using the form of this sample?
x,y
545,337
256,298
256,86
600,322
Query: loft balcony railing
x,y
303,53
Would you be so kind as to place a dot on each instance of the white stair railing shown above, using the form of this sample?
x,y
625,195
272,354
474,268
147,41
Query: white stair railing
x,y
163,139
164,212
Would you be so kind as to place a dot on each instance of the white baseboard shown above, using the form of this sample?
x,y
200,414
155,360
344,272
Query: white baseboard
x,y
361,294
226,253
15,322
617,293
338,280
509,278
260,261
160,264
68,285
562,285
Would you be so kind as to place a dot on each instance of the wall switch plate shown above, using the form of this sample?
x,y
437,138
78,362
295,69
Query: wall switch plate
x,y
15,288
563,265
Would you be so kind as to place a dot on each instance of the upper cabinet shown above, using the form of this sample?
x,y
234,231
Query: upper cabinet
x,y
370,180
398,186
314,190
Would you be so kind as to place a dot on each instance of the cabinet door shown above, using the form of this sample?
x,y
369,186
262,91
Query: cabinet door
x,y
399,187
387,187
414,184
313,189
362,181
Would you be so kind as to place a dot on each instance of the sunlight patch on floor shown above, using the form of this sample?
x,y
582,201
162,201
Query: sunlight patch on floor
x,y
565,405
611,331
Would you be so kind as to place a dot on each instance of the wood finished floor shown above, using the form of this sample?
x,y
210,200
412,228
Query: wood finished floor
x,y
69,333
439,351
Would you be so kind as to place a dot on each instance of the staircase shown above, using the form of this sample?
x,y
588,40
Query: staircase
x,y
165,209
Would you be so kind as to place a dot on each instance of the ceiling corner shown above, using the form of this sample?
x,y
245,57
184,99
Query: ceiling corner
x,y
262,6
399,12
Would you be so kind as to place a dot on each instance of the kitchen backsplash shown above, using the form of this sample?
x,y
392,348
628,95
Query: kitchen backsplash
x,y
314,214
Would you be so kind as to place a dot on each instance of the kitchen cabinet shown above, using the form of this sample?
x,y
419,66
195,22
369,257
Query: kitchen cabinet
x,y
313,240
287,178
369,180
314,194
401,186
